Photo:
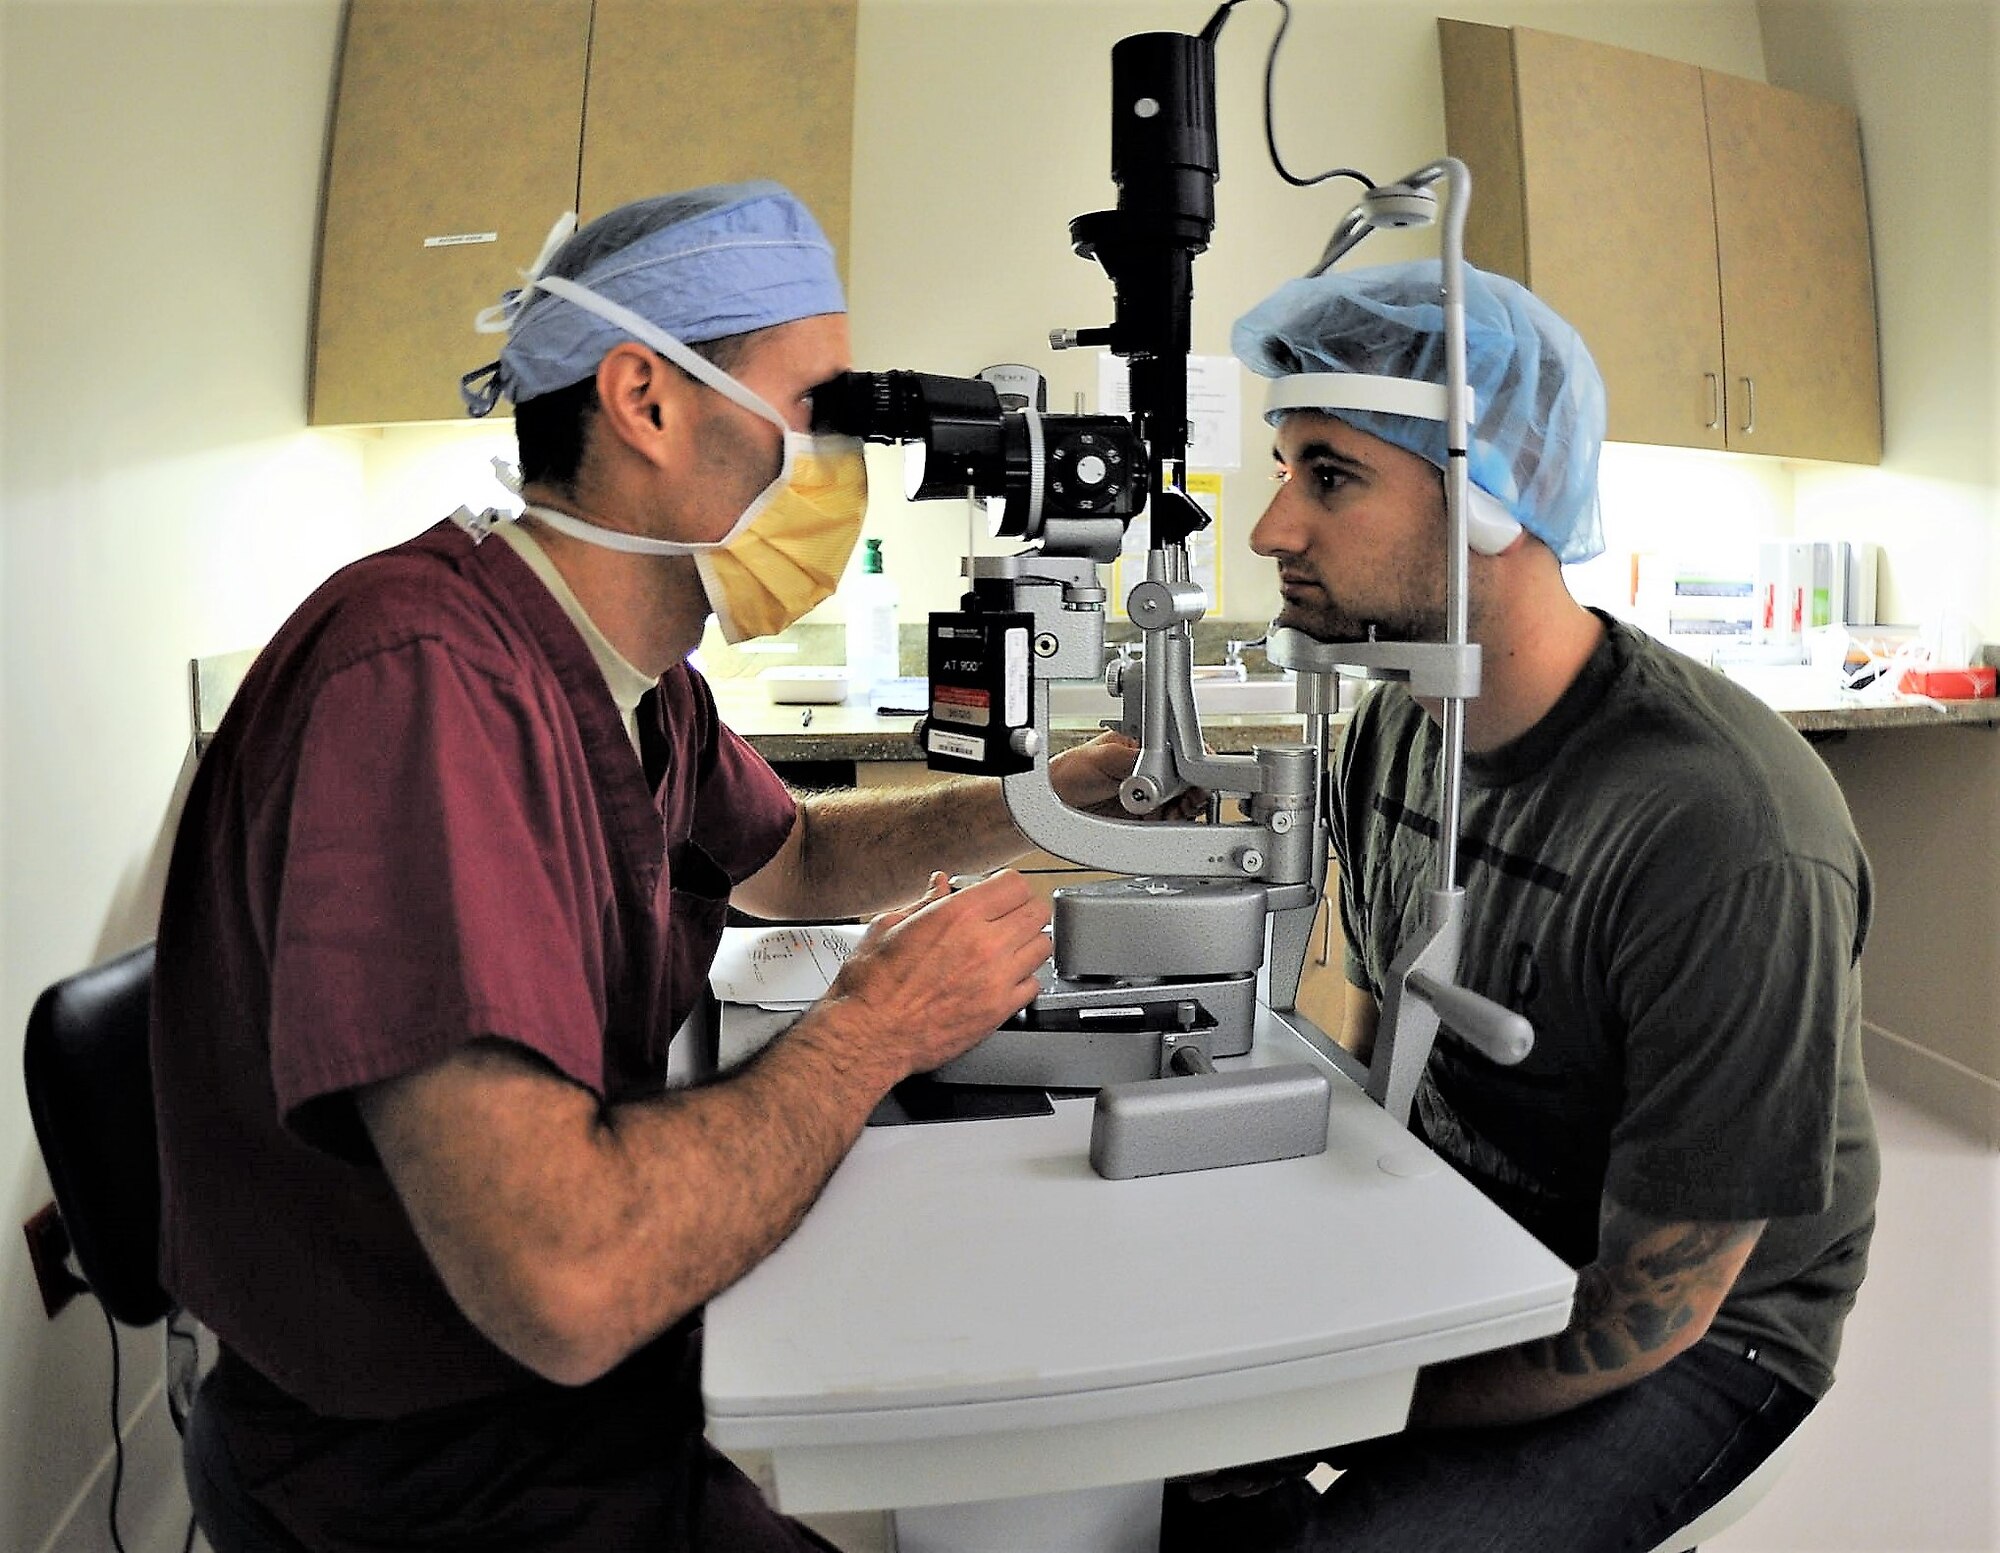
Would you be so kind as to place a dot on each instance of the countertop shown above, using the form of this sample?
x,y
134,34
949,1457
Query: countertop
x,y
840,731
850,732
911,1343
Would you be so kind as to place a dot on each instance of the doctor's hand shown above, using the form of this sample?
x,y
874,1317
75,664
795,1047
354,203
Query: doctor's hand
x,y
934,978
1089,776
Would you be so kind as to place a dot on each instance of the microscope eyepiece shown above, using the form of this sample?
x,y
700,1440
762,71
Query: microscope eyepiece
x,y
902,406
1070,481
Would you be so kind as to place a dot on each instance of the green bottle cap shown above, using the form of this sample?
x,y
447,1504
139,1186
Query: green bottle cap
x,y
871,557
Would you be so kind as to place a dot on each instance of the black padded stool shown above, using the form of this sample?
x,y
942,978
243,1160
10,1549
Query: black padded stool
x,y
88,1066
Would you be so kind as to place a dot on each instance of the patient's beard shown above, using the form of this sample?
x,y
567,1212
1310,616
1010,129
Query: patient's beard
x,y
1326,618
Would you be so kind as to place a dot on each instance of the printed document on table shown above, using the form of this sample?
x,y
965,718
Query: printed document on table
x,y
781,967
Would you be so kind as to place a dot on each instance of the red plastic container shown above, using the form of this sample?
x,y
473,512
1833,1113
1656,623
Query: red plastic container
x,y
1950,684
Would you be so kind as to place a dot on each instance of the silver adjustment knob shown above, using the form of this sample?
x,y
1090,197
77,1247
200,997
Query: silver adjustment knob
x,y
1141,794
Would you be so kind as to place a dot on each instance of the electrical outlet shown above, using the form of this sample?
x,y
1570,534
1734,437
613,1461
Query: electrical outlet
x,y
49,1249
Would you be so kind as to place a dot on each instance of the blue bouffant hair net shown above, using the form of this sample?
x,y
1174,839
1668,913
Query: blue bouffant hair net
x,y
1538,402
709,262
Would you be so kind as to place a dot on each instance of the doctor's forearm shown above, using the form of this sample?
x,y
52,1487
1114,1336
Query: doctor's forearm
x,y
570,1232
874,848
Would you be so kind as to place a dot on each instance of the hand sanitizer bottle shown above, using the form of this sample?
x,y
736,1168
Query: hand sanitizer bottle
x,y
871,625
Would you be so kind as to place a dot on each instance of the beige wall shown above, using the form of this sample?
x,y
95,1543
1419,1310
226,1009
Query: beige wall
x,y
1923,77
160,499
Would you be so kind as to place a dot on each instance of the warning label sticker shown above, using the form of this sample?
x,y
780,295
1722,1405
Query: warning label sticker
x,y
966,704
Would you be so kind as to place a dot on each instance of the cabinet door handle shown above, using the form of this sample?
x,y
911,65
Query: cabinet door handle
x,y
1749,405
1714,400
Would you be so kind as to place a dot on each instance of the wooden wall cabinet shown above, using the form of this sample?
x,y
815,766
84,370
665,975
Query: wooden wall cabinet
x,y
688,92
463,128
1706,234
454,146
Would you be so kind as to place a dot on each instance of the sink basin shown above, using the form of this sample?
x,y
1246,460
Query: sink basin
x,y
1261,693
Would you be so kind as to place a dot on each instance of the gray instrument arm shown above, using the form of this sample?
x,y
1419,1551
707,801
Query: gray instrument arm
x,y
1500,1033
1172,757
1129,846
1292,923
1421,989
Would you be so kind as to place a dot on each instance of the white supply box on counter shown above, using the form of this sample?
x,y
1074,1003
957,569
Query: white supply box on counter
x,y
805,684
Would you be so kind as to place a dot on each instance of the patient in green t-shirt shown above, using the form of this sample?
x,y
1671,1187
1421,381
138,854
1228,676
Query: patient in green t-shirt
x,y
1659,874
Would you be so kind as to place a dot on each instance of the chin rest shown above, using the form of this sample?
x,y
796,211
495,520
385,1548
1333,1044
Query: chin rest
x,y
90,1091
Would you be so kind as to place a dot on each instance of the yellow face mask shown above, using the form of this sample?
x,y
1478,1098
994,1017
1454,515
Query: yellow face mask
x,y
790,556
786,550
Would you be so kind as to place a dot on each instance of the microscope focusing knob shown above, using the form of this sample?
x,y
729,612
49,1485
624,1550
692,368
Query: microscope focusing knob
x,y
1025,742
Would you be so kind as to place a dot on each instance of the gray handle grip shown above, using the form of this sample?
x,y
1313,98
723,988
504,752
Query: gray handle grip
x,y
1499,1032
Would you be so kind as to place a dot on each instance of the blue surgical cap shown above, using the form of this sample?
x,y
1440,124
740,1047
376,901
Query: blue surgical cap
x,y
709,262
1538,402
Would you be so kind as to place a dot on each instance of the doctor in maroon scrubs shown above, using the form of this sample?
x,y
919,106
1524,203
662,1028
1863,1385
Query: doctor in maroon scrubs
x,y
451,876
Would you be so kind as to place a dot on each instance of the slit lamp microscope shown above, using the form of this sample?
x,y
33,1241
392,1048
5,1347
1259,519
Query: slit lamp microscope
x,y
1158,974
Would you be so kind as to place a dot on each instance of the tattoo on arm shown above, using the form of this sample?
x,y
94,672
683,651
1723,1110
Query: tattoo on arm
x,y
1651,1280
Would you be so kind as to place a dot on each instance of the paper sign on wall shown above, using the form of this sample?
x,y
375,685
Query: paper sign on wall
x,y
1215,406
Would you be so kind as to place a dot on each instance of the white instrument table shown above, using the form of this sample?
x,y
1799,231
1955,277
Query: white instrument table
x,y
970,1313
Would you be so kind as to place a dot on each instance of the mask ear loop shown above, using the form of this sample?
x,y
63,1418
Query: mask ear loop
x,y
696,366
649,333
480,388
499,318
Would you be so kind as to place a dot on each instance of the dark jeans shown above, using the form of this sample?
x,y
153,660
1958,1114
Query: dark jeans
x,y
618,1466
1619,1475
229,1518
